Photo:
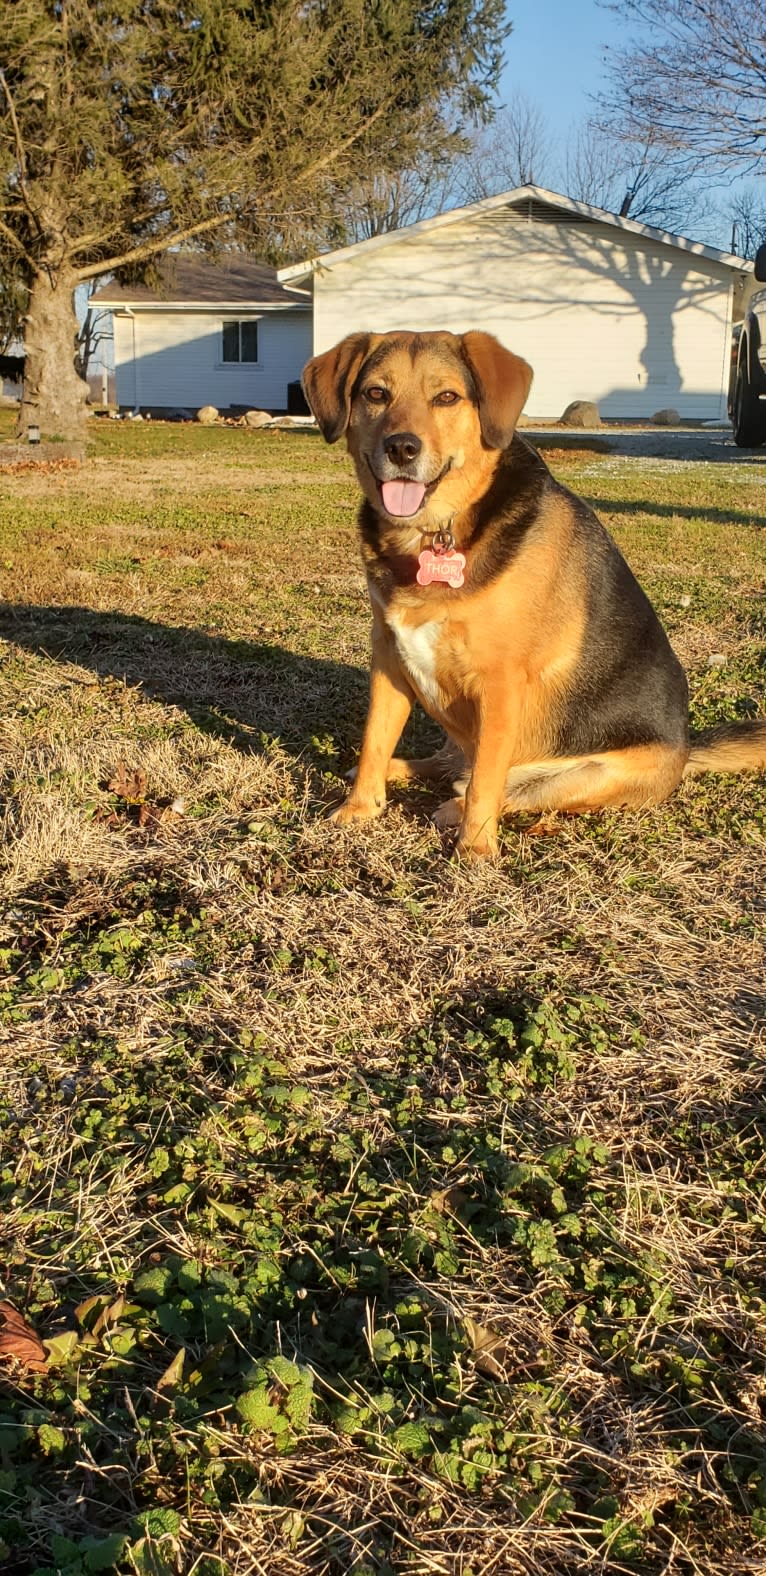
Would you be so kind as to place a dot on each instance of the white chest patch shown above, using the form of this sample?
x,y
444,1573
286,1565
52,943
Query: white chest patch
x,y
417,646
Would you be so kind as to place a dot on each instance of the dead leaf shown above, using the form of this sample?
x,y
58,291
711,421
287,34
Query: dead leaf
x,y
488,1346
547,826
153,816
43,467
110,1315
19,1341
450,1200
173,1373
129,785
107,818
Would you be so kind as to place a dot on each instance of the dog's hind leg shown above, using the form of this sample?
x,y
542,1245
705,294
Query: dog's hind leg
x,y
450,814
447,762
641,774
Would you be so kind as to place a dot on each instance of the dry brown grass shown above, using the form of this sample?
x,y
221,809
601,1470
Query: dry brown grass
x,y
221,671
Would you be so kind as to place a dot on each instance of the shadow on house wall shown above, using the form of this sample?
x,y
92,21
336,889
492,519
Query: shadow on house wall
x,y
607,300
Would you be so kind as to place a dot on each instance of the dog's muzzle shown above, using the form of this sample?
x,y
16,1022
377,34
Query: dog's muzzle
x,y
404,496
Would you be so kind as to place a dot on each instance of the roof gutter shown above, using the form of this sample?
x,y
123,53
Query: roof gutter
x,y
114,305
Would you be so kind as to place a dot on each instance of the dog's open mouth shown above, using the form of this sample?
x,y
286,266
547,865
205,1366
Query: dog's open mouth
x,y
403,496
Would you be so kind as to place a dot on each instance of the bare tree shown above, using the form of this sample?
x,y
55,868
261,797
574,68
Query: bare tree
x,y
637,180
747,216
388,202
697,76
514,150
589,171
95,330
378,199
13,301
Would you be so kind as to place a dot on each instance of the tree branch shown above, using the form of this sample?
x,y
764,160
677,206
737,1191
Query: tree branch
x,y
20,154
85,243
329,158
19,245
147,249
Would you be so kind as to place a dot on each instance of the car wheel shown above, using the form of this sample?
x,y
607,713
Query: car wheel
x,y
749,420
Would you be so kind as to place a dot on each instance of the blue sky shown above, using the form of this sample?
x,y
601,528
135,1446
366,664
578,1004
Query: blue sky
x,y
556,56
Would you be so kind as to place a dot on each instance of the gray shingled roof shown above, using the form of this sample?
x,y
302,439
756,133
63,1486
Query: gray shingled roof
x,y
188,278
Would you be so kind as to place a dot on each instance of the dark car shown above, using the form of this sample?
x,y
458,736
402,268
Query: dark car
x,y
747,382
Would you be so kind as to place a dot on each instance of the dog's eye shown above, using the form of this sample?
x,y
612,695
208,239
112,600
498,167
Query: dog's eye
x,y
447,397
376,395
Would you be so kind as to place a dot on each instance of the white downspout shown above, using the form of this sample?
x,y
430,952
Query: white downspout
x,y
135,366
127,311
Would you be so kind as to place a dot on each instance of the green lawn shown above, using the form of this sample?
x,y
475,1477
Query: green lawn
x,y
378,1215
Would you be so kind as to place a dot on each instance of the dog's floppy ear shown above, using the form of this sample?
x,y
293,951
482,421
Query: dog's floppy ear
x,y
502,384
328,381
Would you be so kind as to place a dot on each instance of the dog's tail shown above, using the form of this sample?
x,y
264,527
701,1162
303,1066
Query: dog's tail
x,y
730,747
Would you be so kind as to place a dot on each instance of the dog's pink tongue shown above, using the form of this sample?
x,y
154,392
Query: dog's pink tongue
x,y
402,497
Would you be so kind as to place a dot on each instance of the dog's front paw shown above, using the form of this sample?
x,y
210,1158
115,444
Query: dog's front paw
x,y
356,810
478,845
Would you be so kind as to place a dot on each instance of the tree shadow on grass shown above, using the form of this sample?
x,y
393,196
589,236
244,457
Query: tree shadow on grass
x,y
238,690
650,508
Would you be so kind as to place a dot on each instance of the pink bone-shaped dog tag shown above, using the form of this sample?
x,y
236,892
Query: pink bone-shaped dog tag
x,y
446,567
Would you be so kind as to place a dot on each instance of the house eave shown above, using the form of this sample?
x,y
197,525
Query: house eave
x,y
211,307
305,270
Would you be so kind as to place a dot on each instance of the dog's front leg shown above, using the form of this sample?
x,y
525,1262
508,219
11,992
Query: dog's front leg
x,y
390,705
477,838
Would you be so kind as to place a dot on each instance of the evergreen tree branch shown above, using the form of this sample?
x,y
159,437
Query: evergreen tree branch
x,y
17,244
152,248
21,158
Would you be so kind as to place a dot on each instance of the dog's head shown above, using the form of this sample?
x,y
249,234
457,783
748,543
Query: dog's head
x,y
425,415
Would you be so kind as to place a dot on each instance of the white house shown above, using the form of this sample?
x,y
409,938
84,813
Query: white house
x,y
223,333
605,309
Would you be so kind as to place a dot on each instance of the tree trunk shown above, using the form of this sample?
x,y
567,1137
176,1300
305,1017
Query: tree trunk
x,y
54,395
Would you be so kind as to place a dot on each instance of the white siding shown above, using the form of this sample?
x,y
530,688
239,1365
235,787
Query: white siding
x,y
601,314
175,359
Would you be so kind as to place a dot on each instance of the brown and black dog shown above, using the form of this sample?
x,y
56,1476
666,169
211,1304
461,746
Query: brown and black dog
x,y
537,651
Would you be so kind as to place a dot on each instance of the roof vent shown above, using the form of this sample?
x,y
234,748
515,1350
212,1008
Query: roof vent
x,y
531,211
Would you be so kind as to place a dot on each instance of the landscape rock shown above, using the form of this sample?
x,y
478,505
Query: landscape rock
x,y
666,418
257,418
179,413
208,415
581,413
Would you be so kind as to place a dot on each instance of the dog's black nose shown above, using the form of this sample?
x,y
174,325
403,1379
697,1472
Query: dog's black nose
x,y
402,447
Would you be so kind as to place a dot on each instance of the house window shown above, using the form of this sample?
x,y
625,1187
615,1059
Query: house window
x,y
240,341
